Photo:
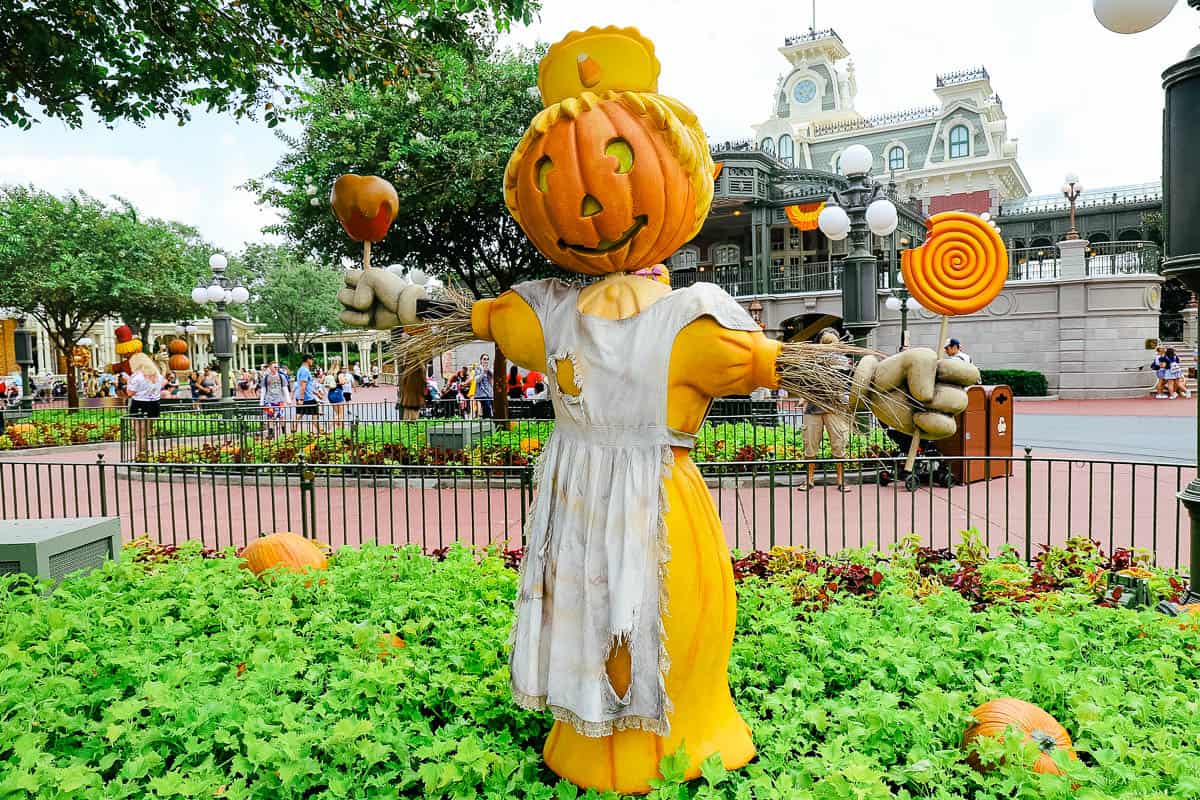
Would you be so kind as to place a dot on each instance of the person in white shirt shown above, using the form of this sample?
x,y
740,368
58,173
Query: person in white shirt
x,y
954,350
144,388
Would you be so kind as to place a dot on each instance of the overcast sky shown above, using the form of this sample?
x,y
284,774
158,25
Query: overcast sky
x,y
1077,97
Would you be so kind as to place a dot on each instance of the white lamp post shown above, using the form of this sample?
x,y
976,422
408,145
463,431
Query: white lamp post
x,y
1071,189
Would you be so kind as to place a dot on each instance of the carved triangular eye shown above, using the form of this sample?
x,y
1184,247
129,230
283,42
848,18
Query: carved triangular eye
x,y
622,152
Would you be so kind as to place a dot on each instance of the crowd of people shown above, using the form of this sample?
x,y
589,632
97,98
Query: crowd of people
x,y
1171,381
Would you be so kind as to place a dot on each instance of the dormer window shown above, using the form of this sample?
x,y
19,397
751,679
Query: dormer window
x,y
960,141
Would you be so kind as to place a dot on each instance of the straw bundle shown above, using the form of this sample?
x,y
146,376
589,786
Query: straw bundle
x,y
820,373
447,325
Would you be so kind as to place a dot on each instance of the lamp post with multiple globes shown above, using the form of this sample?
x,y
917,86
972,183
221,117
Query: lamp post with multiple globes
x,y
1071,190
857,211
222,292
1181,190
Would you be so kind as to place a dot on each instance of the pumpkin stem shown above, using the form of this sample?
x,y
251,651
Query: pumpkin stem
x,y
1045,742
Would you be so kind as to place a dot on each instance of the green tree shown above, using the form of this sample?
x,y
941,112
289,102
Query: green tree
x,y
71,261
164,293
143,59
443,144
295,296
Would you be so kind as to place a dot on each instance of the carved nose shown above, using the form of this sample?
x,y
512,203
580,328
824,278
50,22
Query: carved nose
x,y
591,206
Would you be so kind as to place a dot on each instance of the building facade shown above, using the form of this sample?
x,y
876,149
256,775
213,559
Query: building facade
x,y
1083,313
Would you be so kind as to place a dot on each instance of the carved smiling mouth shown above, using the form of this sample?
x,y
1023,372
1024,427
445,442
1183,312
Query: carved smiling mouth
x,y
607,246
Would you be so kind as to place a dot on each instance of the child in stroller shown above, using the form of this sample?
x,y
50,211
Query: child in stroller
x,y
930,467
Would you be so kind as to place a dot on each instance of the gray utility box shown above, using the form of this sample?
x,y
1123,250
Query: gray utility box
x,y
54,548
458,435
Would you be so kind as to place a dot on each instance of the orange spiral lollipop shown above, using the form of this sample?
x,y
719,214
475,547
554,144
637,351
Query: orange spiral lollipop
x,y
960,268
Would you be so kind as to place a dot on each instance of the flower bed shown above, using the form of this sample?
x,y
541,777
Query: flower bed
x,y
171,675
51,429
404,443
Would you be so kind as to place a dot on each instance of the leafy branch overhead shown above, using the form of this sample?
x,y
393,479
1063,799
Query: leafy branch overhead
x,y
443,143
145,59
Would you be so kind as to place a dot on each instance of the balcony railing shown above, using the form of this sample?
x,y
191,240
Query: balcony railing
x,y
737,279
1033,263
1123,258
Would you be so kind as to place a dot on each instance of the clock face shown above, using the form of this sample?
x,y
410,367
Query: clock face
x,y
805,91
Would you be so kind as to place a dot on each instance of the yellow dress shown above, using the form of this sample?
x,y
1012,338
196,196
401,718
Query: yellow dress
x,y
707,361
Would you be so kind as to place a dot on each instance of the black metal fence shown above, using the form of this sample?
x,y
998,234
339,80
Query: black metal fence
x,y
1020,503
375,435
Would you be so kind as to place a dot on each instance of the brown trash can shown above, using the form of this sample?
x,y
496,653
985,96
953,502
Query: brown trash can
x,y
1000,429
970,439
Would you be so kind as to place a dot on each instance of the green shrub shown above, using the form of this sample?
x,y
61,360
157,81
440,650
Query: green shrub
x,y
1024,382
191,678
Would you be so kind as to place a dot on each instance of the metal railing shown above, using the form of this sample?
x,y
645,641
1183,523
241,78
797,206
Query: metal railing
x,y
1123,258
1021,502
760,431
1033,263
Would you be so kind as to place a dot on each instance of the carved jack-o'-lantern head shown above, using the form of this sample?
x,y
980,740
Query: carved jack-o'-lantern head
x,y
610,177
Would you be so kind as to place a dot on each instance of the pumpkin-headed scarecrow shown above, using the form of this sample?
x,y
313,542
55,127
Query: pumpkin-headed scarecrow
x,y
625,612
127,345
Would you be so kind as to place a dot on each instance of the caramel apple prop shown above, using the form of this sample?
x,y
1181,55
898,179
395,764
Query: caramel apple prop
x,y
366,205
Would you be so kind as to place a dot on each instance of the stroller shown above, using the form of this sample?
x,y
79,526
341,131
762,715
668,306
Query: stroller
x,y
930,467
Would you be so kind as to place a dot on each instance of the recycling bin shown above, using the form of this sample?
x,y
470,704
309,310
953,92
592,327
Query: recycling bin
x,y
1000,429
970,439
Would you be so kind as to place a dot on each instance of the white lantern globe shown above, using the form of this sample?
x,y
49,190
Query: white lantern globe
x,y
191,329
892,303
882,218
86,341
215,293
217,262
418,277
856,160
200,295
834,222
1131,16
912,304
240,294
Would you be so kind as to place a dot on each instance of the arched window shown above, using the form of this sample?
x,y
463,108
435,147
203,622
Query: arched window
x,y
960,141
787,150
837,164
896,158
768,146
686,258
727,255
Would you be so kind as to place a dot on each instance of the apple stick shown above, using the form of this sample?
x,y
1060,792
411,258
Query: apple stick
x,y
366,253
916,440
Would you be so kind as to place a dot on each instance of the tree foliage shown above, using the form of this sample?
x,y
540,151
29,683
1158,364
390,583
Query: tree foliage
x,y
294,296
443,144
72,261
143,59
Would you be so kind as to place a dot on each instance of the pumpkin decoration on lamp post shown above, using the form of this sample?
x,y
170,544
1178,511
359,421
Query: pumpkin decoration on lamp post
x,y
366,206
179,362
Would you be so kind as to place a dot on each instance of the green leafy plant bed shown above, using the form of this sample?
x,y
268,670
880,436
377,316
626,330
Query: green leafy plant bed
x,y
175,673
56,430
406,443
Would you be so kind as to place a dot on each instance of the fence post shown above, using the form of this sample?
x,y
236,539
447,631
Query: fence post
x,y
306,487
103,485
1028,506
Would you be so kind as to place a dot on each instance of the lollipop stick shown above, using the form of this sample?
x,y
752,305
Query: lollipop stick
x,y
916,442
366,254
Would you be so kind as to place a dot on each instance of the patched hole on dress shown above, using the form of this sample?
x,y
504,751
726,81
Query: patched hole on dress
x,y
566,376
618,674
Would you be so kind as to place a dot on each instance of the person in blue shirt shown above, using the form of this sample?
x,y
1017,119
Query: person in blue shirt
x,y
306,396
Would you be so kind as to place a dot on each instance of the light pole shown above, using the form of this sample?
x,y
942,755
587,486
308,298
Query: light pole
x,y
856,212
1071,190
1181,191
23,355
222,292
900,300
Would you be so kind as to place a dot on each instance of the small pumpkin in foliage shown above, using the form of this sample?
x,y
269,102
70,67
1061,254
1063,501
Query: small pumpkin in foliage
x,y
994,718
389,644
286,550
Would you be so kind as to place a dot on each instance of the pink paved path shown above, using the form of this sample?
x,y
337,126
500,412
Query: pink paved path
x,y
1125,407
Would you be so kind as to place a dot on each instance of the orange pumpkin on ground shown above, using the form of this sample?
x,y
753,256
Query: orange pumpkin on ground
x,y
365,205
994,718
389,644
289,551
177,347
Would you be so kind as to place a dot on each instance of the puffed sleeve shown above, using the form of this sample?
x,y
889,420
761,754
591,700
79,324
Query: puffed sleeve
x,y
717,361
509,321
